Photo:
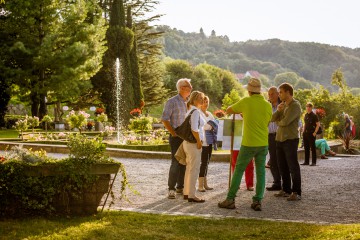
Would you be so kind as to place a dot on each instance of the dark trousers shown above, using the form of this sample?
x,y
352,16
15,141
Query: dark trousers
x,y
309,143
205,158
288,165
177,171
274,166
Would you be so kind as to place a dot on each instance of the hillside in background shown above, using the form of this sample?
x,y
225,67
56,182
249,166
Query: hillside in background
x,y
313,61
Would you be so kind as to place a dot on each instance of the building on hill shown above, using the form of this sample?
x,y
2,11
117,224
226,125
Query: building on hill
x,y
241,76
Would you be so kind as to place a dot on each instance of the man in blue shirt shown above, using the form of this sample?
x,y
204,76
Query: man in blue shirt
x,y
172,117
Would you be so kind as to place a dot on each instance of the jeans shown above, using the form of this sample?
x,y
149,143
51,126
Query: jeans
x,y
177,171
244,157
274,166
309,143
288,165
205,159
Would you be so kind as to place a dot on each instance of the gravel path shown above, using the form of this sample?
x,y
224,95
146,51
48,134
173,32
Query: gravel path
x,y
330,193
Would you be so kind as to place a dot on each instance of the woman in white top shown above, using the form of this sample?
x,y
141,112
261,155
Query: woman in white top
x,y
193,150
206,148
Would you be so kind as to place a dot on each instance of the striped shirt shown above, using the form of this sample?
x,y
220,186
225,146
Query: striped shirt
x,y
174,111
272,125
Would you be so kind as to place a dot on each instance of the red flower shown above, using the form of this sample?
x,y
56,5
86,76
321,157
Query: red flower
x,y
2,159
136,112
99,111
320,112
219,113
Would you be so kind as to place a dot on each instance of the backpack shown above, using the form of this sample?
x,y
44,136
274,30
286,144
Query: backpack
x,y
184,130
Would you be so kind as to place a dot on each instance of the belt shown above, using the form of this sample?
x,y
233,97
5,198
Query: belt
x,y
272,133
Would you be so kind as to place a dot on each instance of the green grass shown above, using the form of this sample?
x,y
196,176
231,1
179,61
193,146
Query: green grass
x,y
9,133
129,225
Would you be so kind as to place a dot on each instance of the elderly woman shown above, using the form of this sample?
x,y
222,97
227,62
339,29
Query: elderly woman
x,y
193,150
208,143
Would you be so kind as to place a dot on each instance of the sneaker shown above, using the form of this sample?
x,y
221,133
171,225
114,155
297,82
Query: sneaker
x,y
256,205
179,191
171,194
229,204
282,194
294,197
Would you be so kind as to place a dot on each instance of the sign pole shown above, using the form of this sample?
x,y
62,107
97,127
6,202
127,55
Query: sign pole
x,y
231,146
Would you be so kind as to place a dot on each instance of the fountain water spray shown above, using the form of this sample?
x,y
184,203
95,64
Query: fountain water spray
x,y
118,78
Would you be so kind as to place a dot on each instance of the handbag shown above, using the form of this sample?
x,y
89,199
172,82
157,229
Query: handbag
x,y
180,155
184,130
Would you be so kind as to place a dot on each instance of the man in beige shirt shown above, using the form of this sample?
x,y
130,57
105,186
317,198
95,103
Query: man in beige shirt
x,y
287,117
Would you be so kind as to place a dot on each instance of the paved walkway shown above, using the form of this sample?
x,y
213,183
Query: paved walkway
x,y
331,193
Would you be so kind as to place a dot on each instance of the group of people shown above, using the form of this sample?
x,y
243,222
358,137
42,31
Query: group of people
x,y
183,178
268,127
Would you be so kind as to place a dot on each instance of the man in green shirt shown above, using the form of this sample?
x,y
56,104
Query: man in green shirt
x,y
256,112
287,118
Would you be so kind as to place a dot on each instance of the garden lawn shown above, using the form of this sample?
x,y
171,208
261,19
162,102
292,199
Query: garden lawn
x,y
9,133
130,225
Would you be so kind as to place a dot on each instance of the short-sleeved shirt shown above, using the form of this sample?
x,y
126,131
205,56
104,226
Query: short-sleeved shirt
x,y
174,111
256,112
310,120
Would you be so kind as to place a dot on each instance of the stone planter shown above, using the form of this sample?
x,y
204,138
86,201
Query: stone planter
x,y
87,200
59,126
99,126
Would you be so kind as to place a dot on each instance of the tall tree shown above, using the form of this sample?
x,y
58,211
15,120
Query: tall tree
x,y
134,65
149,50
119,41
337,78
56,47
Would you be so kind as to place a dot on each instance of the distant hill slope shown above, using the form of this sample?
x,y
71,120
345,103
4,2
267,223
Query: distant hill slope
x,y
313,61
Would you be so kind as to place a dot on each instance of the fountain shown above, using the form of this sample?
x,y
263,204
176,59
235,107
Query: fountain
x,y
118,82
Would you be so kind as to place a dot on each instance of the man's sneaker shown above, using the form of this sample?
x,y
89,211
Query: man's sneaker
x,y
179,191
294,197
171,194
256,205
230,204
281,194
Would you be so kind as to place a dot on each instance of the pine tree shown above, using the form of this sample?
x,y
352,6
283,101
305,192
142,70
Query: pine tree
x,y
56,47
134,64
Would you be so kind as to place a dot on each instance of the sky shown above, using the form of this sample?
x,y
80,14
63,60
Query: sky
x,y
322,21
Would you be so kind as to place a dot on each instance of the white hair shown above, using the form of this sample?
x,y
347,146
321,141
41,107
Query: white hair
x,y
181,82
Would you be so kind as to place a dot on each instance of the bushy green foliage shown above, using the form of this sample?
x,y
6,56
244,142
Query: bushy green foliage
x,y
101,118
230,99
27,194
33,122
77,119
84,148
140,124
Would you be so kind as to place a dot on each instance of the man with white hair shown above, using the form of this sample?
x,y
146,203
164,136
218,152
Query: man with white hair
x,y
256,112
173,116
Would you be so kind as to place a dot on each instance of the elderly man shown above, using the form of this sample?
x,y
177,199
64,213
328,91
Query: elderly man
x,y
287,118
274,168
172,117
254,143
